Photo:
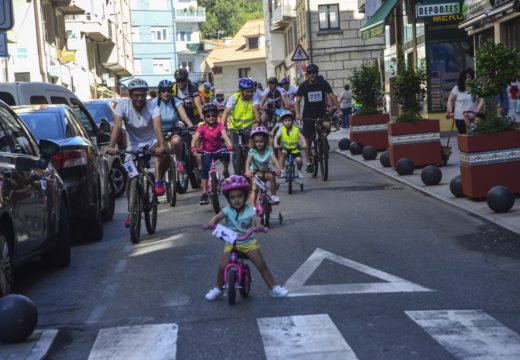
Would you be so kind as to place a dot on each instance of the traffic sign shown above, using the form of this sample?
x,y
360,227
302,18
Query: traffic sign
x,y
6,14
3,45
299,54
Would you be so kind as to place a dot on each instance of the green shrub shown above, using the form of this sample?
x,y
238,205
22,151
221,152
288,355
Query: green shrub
x,y
366,88
409,92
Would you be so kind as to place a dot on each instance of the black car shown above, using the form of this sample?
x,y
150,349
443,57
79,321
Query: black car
x,y
103,115
79,162
33,201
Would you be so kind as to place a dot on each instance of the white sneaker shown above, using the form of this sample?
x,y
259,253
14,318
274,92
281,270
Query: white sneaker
x,y
275,199
279,291
282,175
213,294
300,174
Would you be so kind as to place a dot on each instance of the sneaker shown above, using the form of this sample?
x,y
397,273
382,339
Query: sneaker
x,y
204,200
276,292
214,293
282,175
159,187
180,166
300,174
275,199
127,221
309,168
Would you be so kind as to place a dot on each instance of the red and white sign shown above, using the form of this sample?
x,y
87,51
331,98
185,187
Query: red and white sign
x,y
299,54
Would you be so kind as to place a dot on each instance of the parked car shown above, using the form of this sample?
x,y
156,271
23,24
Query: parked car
x,y
34,217
80,163
102,112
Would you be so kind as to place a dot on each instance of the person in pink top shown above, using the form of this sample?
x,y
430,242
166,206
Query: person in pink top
x,y
208,139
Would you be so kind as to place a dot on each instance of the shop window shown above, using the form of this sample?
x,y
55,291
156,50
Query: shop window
x,y
328,17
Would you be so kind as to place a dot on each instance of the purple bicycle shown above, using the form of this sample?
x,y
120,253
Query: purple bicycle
x,y
237,274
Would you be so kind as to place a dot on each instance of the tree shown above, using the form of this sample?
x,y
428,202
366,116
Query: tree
x,y
225,18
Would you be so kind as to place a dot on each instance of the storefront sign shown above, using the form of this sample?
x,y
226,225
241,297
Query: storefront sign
x,y
446,19
67,55
54,68
497,3
474,8
373,32
437,9
74,40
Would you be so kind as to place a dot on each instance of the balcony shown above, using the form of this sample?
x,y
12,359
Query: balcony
x,y
190,15
97,30
282,14
72,7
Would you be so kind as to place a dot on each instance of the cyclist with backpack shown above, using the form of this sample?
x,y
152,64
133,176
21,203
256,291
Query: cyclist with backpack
x,y
273,98
173,116
188,93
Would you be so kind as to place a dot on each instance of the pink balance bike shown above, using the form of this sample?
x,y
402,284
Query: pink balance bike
x,y
264,203
237,274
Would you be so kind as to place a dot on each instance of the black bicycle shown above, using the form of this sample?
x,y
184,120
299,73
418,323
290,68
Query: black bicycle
x,y
141,195
191,174
170,178
240,156
320,147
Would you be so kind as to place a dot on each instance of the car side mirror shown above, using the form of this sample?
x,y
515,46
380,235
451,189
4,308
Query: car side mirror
x,y
26,164
48,148
104,126
103,138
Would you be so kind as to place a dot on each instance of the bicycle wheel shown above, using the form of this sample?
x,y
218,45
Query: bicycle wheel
x,y
231,288
182,177
240,160
150,208
324,152
214,193
316,158
134,207
266,212
171,185
290,177
195,179
245,284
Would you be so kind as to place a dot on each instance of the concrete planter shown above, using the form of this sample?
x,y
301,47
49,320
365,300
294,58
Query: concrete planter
x,y
419,142
489,160
370,130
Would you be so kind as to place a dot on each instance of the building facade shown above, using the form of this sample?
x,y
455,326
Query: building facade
x,y
165,35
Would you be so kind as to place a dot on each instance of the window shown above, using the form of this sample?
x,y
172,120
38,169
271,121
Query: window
x,y
289,41
188,65
184,36
136,36
36,100
244,72
252,42
83,116
22,76
7,98
59,100
158,4
138,63
16,134
162,66
329,17
159,34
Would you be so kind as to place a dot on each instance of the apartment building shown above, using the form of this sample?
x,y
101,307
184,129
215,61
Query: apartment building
x,y
165,36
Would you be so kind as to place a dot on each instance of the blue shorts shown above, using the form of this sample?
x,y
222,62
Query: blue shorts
x,y
206,162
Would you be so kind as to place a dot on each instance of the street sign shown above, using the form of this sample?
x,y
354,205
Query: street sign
x,y
299,54
437,9
3,44
6,14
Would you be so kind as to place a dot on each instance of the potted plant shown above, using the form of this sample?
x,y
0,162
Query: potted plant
x,y
369,125
490,152
411,136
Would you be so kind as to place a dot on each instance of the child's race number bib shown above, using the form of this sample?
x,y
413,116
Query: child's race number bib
x,y
224,234
130,169
315,96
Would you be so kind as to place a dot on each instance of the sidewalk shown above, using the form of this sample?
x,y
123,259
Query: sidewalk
x,y
509,220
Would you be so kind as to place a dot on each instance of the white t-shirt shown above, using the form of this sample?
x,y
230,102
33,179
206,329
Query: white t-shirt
x,y
291,94
463,102
138,124
345,99
232,101
257,96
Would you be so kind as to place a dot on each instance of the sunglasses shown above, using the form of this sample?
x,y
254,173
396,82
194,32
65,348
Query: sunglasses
x,y
180,81
165,91
311,72
211,115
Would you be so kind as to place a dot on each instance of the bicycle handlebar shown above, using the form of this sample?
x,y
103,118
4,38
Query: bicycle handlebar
x,y
328,118
243,237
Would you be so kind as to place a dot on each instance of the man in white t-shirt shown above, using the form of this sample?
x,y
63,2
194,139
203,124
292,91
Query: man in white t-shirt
x,y
290,91
143,127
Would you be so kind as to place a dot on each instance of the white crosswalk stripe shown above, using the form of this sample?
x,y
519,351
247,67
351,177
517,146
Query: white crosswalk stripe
x,y
303,337
151,342
469,334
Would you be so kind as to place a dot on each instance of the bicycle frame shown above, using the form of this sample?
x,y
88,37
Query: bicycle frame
x,y
141,158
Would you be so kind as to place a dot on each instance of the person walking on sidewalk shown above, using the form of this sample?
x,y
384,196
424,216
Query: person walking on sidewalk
x,y
461,104
345,99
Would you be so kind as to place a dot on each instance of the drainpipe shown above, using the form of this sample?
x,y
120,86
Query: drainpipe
x,y
174,29
310,30
36,7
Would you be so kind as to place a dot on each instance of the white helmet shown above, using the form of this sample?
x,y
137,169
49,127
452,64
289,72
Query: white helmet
x,y
219,92
137,84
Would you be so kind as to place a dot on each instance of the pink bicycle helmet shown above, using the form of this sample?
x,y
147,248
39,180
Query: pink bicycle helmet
x,y
259,130
235,182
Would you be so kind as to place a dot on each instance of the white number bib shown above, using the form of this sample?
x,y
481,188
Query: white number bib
x,y
130,169
315,96
225,234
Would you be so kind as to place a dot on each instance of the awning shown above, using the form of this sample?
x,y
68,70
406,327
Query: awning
x,y
375,26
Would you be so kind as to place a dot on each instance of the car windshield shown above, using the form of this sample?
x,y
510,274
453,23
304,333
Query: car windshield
x,y
99,111
44,125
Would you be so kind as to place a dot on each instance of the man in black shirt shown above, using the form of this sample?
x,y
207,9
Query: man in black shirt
x,y
315,90
188,93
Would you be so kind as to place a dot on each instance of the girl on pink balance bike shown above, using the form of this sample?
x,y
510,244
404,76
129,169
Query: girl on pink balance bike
x,y
241,218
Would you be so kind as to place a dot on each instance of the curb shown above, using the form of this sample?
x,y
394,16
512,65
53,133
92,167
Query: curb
x,y
36,347
422,190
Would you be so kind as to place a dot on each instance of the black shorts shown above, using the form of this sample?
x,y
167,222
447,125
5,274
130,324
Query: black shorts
x,y
309,127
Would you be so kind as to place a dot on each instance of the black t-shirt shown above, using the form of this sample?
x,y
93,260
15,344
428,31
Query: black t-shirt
x,y
315,96
274,99
187,95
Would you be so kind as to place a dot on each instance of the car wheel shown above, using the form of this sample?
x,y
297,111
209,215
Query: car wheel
x,y
119,178
94,226
6,266
108,212
60,255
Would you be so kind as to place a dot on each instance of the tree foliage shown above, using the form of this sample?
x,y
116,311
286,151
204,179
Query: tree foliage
x,y
409,92
366,88
224,18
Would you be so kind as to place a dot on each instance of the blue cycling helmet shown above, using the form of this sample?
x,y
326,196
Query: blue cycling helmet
x,y
284,81
245,84
285,113
165,84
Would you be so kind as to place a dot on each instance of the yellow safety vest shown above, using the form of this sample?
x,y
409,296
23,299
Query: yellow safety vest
x,y
242,116
195,108
290,141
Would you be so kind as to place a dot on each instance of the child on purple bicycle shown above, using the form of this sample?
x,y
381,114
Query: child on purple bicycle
x,y
210,136
241,217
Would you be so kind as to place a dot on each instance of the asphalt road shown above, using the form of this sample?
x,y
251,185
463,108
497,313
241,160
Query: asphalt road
x,y
393,274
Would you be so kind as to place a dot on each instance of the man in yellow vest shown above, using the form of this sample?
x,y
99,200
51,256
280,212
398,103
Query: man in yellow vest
x,y
288,138
242,107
